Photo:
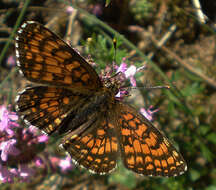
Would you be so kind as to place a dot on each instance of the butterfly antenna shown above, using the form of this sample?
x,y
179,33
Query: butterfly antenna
x,y
145,87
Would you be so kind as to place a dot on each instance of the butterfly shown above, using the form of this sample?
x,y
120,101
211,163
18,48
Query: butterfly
x,y
72,100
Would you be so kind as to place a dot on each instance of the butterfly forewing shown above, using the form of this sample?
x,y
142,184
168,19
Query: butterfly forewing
x,y
44,58
48,107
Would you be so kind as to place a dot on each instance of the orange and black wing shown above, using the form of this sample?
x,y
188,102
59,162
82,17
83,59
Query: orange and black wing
x,y
49,108
144,149
44,58
95,147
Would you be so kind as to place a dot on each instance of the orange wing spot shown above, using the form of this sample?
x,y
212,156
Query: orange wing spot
x,y
98,160
35,49
28,55
63,54
47,54
136,145
89,158
94,150
66,100
35,74
84,151
164,163
130,140
48,77
77,73
51,61
49,94
157,163
101,150
51,109
112,162
34,42
52,69
159,151
34,110
158,169
153,138
56,113
104,166
139,160
74,64
125,132
44,106
131,160
61,60
177,164
77,146
150,167
48,47
170,160
141,129
132,124
110,125
140,169
173,168
39,58
165,171
154,152
39,36
53,43
128,149
100,132
114,146
54,103
85,77
148,159
137,120
145,149
57,121
108,146
164,148
98,142
50,128
85,139
32,103
128,116
60,42
68,79
175,154
106,159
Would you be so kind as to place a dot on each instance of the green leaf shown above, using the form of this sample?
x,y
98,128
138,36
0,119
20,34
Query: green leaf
x,y
212,138
195,175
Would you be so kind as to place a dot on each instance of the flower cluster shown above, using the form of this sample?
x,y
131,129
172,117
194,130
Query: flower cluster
x,y
19,148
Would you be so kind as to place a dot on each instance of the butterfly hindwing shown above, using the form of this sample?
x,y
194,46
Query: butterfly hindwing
x,y
96,148
144,149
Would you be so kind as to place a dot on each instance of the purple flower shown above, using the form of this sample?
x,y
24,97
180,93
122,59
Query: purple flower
x,y
25,172
11,61
7,176
65,164
148,113
8,148
7,120
69,9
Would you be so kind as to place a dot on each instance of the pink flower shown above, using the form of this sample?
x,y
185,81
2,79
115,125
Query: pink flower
x,y
148,113
8,148
65,164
